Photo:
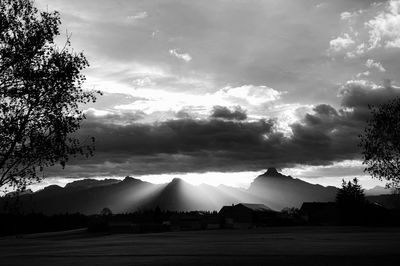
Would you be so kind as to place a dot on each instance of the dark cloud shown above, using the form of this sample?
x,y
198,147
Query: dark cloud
x,y
225,113
359,95
177,136
326,136
183,145
187,145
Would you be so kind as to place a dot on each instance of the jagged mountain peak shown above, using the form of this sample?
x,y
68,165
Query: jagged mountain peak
x,y
272,172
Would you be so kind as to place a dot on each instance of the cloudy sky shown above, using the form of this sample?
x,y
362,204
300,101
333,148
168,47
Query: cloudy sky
x,y
217,91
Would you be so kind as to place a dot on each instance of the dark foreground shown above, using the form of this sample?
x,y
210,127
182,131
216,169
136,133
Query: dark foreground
x,y
267,246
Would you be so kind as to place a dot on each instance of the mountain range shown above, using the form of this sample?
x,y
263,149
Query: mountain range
x,y
90,196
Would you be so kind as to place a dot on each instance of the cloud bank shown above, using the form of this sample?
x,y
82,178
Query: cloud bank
x,y
227,142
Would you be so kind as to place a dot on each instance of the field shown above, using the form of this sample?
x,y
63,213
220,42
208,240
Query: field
x,y
266,246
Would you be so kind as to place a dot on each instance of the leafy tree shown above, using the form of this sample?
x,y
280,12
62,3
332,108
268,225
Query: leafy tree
x,y
380,143
351,194
40,95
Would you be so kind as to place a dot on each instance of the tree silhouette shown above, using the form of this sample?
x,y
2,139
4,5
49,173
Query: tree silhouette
x,y
350,194
380,143
351,202
40,95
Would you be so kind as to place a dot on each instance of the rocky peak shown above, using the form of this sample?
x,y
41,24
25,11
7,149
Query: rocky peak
x,y
272,172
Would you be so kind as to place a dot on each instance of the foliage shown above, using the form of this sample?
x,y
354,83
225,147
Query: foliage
x,y
351,194
40,94
380,143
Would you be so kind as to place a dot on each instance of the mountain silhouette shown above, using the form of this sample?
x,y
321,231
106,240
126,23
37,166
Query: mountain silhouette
x,y
378,190
272,172
90,196
88,183
281,191
126,195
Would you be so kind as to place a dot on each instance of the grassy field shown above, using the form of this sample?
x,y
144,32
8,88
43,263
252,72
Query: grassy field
x,y
266,246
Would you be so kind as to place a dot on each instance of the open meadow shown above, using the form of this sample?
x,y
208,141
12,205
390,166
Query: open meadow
x,y
261,246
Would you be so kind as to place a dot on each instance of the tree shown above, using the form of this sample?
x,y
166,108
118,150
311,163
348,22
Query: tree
x,y
380,143
40,95
351,202
351,195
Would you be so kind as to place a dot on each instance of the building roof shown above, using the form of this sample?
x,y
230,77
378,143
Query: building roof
x,y
253,207
256,207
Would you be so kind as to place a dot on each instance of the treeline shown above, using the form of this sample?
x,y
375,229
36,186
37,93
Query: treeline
x,y
28,223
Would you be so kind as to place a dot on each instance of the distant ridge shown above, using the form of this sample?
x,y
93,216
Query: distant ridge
x,y
378,190
90,196
88,183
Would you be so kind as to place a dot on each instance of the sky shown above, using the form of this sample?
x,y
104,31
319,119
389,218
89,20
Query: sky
x,y
218,91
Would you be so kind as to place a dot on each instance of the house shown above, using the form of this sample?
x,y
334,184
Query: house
x,y
246,215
